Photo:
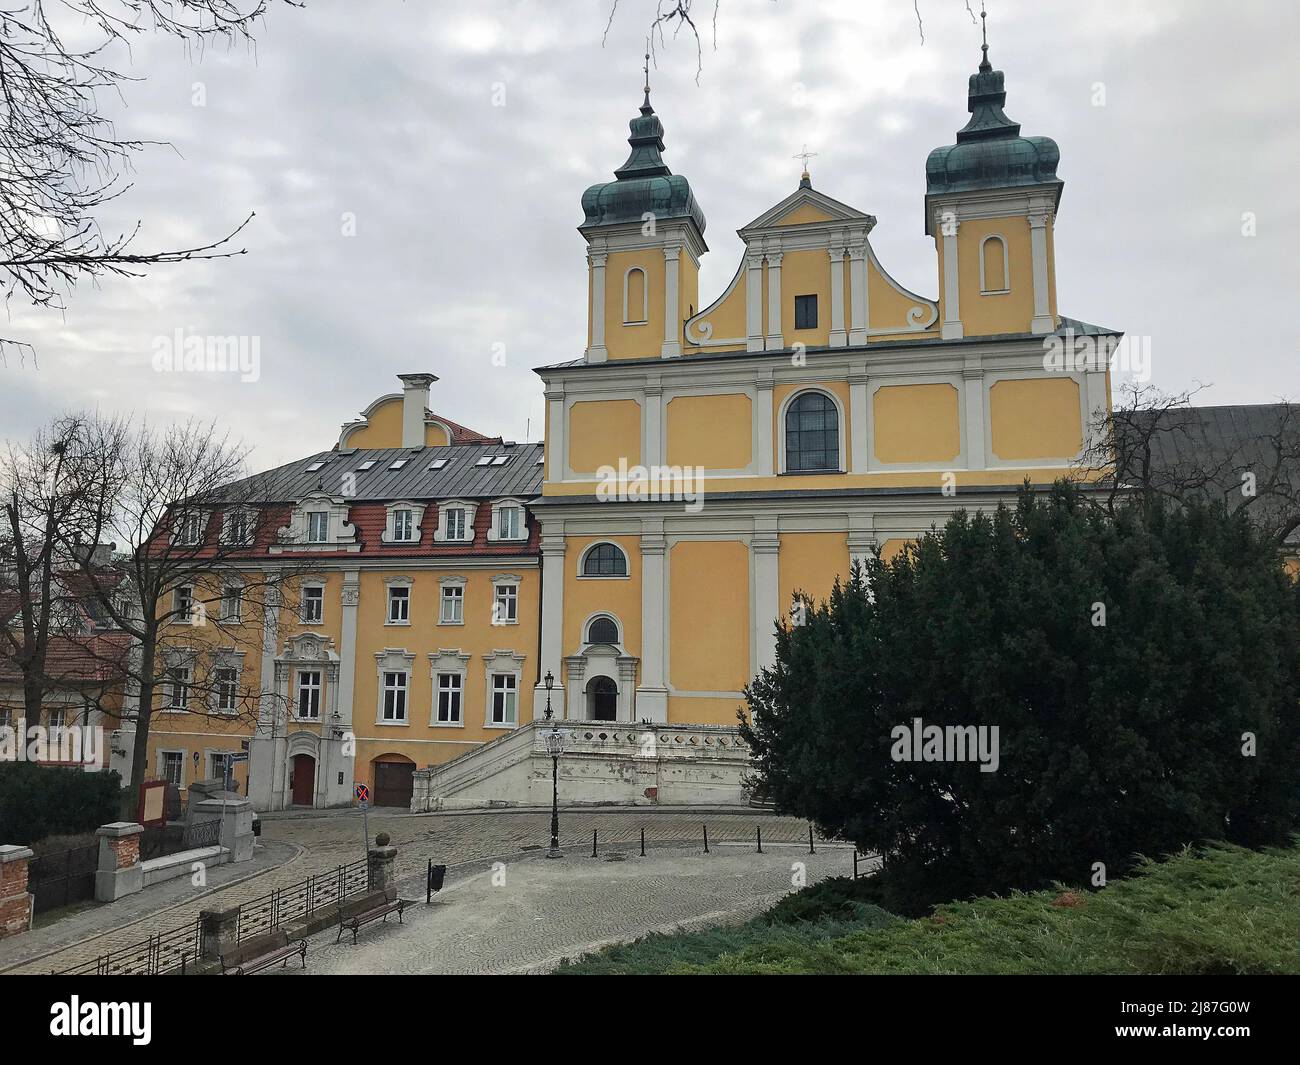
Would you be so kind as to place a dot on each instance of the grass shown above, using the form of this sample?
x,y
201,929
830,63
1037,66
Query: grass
x,y
1215,910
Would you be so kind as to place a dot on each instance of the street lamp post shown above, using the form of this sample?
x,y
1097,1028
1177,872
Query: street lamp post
x,y
555,739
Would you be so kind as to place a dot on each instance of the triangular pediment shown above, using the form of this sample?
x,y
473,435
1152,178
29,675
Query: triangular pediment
x,y
807,206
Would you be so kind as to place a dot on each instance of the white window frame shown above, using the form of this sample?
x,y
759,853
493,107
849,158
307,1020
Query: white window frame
x,y
162,765
448,661
304,599
394,586
227,600
317,686
451,593
505,599
401,692
502,663
215,756
186,683
311,517
416,517
393,660
189,528
184,605
441,533
841,427
582,563
232,519
219,689
495,532
454,692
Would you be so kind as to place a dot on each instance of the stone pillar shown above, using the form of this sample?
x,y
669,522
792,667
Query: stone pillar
x,y
754,302
945,220
652,695
381,868
220,931
235,817
15,902
552,635
764,446
766,546
838,337
119,871
597,352
652,451
859,408
973,434
1043,321
775,341
672,345
859,311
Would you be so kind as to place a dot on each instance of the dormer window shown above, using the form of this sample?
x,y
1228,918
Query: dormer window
x,y
318,526
510,523
456,523
189,529
403,526
238,530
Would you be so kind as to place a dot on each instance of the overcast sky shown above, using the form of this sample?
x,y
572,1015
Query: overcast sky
x,y
466,209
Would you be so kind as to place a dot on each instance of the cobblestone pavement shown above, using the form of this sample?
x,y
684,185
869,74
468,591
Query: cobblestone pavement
x,y
525,916
331,838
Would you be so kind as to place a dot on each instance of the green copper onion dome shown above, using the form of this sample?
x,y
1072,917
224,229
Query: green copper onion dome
x,y
990,153
644,184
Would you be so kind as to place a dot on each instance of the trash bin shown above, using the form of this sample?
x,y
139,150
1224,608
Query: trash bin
x,y
437,874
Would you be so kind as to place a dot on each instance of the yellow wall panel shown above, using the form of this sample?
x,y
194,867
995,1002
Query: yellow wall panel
x,y
1009,312
603,431
803,215
715,432
806,273
383,428
809,563
709,615
704,710
616,596
916,423
629,341
1037,418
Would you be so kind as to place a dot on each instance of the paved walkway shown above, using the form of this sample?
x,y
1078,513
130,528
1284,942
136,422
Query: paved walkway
x,y
327,839
527,915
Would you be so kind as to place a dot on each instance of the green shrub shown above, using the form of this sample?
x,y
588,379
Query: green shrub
x,y
37,801
1115,739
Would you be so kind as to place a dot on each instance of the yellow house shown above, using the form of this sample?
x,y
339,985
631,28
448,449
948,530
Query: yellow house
x,y
709,465
403,629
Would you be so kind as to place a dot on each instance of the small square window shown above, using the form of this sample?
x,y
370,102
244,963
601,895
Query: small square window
x,y
437,464
805,312
397,464
500,460
484,461
314,466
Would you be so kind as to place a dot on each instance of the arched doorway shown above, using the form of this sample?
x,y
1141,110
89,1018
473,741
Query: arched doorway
x,y
393,781
302,780
602,699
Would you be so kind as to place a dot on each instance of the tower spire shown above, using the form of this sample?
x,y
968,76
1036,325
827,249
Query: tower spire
x,y
647,75
985,65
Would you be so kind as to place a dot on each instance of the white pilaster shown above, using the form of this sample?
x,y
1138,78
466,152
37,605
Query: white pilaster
x,y
765,547
838,336
672,345
1042,322
652,694
652,447
859,439
556,434
754,302
774,341
597,352
263,758
974,435
859,311
764,445
861,538
552,620
947,223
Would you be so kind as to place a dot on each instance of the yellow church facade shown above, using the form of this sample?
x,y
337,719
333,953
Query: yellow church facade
x,y
708,466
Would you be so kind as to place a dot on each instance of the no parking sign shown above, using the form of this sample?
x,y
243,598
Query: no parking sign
x,y
362,793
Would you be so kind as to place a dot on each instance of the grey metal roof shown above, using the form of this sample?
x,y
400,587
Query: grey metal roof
x,y
1219,444
461,478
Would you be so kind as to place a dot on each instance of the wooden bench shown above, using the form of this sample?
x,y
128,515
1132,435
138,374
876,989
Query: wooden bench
x,y
379,912
258,955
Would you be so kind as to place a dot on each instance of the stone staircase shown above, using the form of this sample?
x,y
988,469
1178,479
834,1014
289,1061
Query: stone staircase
x,y
604,763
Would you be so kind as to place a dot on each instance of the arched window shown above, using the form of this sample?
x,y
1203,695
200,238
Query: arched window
x,y
812,433
604,560
636,301
602,630
995,269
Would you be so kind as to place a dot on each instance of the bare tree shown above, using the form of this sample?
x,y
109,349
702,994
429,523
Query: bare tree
x,y
61,159
193,531
1158,445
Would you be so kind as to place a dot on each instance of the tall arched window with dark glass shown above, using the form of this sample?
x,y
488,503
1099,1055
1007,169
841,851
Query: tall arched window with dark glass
x,y
604,560
812,433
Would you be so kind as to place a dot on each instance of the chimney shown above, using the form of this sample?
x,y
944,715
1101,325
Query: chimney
x,y
415,401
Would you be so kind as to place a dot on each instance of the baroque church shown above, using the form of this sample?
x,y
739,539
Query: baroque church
x,y
461,588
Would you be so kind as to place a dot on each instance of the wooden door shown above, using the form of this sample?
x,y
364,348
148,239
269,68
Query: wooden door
x,y
304,780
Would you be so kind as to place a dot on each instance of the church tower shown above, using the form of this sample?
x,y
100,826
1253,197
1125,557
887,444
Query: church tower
x,y
645,236
990,203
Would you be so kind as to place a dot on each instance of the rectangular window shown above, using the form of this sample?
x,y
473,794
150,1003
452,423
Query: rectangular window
x,y
505,608
184,604
399,605
226,681
449,693
313,604
309,693
232,603
453,605
504,696
239,528
171,766
805,312
218,762
509,523
403,525
178,688
56,717
456,523
394,696
318,526
188,530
